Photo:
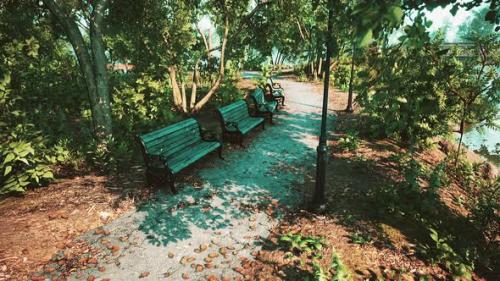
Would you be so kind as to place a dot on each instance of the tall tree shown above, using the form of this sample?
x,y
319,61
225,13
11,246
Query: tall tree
x,y
91,55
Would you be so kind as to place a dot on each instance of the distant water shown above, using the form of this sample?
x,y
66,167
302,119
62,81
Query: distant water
x,y
488,138
250,74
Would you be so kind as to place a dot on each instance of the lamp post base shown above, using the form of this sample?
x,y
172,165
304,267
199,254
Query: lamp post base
x,y
321,162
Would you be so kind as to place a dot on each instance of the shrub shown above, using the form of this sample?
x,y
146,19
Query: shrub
x,y
349,142
485,208
405,90
20,167
439,251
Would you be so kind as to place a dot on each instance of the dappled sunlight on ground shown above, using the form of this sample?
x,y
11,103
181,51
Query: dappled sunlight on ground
x,y
233,203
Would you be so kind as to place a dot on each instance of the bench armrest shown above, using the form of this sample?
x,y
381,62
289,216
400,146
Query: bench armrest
x,y
277,86
232,124
208,135
155,160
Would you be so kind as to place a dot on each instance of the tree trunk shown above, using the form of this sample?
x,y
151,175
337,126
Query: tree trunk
x,y
351,79
313,72
320,66
104,124
184,99
462,130
176,91
218,81
92,62
194,86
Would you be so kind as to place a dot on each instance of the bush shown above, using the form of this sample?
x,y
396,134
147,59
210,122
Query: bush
x,y
405,90
349,142
20,167
439,251
485,208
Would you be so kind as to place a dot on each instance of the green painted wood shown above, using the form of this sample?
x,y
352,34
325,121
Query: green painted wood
x,y
260,102
248,124
234,112
193,154
174,138
237,112
179,145
258,96
167,130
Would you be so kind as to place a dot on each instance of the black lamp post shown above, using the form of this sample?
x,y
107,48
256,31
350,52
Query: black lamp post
x,y
319,192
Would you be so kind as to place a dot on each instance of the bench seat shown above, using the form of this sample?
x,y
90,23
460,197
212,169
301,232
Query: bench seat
x,y
246,125
277,93
236,121
190,155
262,107
169,150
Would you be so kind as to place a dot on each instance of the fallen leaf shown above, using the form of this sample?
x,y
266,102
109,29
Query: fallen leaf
x,y
213,255
212,278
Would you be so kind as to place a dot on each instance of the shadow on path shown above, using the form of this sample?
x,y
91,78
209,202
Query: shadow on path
x,y
262,173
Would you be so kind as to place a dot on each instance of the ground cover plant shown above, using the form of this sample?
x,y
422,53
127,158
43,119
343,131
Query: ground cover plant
x,y
406,199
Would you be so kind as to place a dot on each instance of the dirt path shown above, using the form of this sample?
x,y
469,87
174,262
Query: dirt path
x,y
211,229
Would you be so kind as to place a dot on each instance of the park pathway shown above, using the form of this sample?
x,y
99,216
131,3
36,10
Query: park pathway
x,y
208,228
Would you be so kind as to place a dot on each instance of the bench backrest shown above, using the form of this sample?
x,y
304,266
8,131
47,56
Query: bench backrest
x,y
234,112
258,96
270,81
171,139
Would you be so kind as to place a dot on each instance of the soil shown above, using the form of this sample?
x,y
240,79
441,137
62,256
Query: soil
x,y
35,226
371,244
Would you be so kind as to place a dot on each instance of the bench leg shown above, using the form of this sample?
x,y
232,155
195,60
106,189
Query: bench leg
x,y
149,178
220,153
172,184
263,125
241,141
271,118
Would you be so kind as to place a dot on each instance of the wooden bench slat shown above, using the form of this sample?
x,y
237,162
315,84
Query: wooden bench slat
x,y
179,145
236,119
168,130
187,157
184,138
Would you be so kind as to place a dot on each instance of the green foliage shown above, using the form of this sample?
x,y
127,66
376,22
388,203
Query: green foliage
x,y
485,208
140,101
23,163
439,251
318,273
349,142
438,179
227,93
341,76
405,92
21,168
254,60
341,273
265,72
297,242
360,238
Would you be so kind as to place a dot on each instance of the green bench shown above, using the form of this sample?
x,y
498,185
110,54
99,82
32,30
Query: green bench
x,y
263,108
277,93
237,122
169,150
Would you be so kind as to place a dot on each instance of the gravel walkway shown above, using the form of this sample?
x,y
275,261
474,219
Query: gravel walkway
x,y
204,232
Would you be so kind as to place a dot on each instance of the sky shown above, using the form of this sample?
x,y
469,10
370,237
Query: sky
x,y
442,17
